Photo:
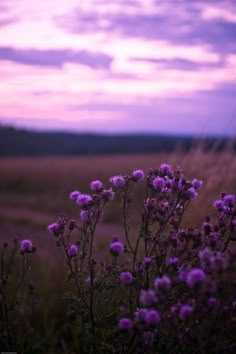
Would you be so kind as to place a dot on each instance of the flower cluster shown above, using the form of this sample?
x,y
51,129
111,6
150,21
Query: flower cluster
x,y
17,295
159,278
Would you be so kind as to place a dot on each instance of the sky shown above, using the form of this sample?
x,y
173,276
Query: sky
x,y
136,66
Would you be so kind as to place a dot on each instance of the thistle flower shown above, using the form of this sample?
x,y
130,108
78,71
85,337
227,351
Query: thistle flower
x,y
117,181
147,262
159,183
116,248
148,297
190,194
218,204
125,324
174,309
162,284
152,317
182,274
185,312
206,258
140,314
138,175
229,200
54,228
195,277
165,168
212,302
72,224
218,262
173,260
126,278
72,251
74,195
85,215
26,246
84,200
197,184
214,238
108,194
96,185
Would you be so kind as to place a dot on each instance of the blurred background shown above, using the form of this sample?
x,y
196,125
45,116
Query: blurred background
x,y
92,88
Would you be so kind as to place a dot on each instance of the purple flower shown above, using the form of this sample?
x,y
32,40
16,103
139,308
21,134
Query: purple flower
x,y
117,181
175,185
158,183
165,168
195,277
116,248
183,272
218,204
174,309
152,317
214,238
185,312
173,260
148,297
162,284
212,302
126,278
84,200
218,262
96,185
26,246
147,260
125,324
206,258
229,200
74,195
233,225
85,215
54,228
108,194
207,227
140,314
191,194
138,175
197,184
72,251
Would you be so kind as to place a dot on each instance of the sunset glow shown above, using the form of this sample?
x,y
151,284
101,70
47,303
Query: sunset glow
x,y
123,66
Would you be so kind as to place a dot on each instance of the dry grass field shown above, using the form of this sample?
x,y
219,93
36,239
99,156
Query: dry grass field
x,y
34,191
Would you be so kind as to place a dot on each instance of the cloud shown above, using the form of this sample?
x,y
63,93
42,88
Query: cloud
x,y
195,22
180,63
56,58
148,61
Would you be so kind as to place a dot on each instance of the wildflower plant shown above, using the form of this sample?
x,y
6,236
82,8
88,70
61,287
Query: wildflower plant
x,y
167,289
17,297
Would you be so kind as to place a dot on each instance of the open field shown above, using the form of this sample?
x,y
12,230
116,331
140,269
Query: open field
x,y
34,192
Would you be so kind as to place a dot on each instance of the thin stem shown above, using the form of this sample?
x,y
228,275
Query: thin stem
x,y
125,208
162,228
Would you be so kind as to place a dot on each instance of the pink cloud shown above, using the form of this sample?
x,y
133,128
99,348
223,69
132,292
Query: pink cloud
x,y
41,92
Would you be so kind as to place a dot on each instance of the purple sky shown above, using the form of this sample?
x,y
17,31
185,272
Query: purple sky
x,y
119,66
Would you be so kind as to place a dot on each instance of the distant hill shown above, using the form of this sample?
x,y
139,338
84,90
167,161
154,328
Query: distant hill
x,y
14,142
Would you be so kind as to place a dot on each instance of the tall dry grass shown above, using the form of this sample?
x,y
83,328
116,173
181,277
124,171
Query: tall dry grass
x,y
34,191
